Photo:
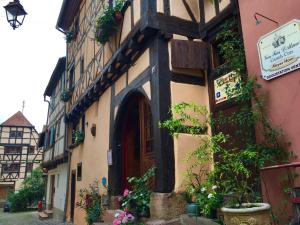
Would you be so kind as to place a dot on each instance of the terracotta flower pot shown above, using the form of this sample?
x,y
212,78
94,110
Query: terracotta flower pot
x,y
118,16
251,213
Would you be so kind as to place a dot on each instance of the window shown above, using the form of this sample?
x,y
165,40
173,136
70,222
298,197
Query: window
x,y
58,129
12,149
79,171
10,168
217,58
52,136
78,126
72,78
30,149
52,102
62,82
29,167
15,134
81,66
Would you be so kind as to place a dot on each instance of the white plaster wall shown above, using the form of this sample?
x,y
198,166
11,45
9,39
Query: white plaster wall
x,y
61,174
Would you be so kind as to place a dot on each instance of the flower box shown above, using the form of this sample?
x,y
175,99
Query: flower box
x,y
108,21
65,96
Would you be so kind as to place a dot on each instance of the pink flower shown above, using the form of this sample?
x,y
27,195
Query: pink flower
x,y
116,222
125,220
126,193
130,216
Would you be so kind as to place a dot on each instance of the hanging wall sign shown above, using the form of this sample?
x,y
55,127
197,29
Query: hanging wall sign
x,y
279,50
229,81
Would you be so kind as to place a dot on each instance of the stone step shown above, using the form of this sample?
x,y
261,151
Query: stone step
x,y
163,222
49,213
102,223
188,220
109,215
43,216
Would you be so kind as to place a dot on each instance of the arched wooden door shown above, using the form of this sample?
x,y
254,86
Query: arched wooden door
x,y
137,137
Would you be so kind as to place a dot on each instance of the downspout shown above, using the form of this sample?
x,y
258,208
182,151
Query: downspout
x,y
46,177
69,172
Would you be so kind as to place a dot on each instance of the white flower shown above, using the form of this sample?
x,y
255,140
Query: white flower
x,y
203,189
117,214
210,196
214,187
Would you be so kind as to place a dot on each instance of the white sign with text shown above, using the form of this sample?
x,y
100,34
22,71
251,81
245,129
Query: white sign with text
x,y
279,50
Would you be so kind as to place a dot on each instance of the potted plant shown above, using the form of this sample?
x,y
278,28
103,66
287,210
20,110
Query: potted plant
x,y
192,207
108,21
137,200
65,95
79,137
69,36
90,201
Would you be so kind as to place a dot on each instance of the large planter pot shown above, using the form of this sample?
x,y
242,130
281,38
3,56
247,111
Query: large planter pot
x,y
250,214
193,209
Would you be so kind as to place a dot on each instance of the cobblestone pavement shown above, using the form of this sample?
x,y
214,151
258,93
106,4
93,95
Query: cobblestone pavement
x,y
27,218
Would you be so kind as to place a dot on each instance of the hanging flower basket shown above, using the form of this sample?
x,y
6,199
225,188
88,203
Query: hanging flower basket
x,y
108,22
69,36
65,96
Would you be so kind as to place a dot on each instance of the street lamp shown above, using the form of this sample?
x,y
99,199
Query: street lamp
x,y
15,13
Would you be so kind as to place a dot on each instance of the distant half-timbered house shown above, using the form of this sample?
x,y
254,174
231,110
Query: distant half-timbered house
x,y
19,153
161,54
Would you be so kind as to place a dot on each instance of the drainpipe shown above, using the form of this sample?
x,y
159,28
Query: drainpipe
x,y
68,174
46,177
67,150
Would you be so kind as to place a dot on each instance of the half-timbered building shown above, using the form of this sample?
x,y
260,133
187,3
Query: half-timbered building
x,y
161,54
55,160
19,154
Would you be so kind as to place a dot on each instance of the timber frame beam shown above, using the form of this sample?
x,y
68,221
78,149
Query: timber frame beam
x,y
129,52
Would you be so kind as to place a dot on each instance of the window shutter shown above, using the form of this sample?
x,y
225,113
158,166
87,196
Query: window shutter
x,y
191,55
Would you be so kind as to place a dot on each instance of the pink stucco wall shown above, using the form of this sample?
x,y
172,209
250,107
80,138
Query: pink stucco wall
x,y
284,91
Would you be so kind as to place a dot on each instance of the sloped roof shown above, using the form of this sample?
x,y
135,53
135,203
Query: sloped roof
x,y
18,119
56,75
67,13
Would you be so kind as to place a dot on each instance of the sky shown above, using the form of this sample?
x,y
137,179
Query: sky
x,y
28,56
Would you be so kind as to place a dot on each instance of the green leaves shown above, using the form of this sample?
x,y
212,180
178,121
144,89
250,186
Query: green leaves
x,y
90,201
31,191
137,201
108,21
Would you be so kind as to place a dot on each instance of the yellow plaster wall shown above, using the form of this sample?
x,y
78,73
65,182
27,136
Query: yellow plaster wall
x,y
186,143
93,152
183,145
147,89
209,9
137,10
141,64
120,84
126,24
178,9
224,4
160,6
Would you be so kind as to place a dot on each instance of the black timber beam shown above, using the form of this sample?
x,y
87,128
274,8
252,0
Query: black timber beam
x,y
129,51
160,104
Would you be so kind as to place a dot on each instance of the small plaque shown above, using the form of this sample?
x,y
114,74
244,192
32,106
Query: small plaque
x,y
279,50
228,81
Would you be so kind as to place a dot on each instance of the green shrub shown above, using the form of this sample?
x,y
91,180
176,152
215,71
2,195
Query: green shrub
x,y
31,191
